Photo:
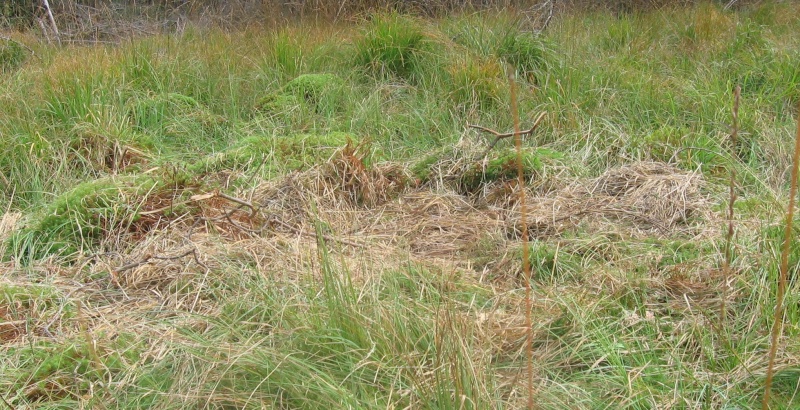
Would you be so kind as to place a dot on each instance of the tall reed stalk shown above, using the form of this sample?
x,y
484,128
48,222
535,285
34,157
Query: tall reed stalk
x,y
526,263
726,268
777,325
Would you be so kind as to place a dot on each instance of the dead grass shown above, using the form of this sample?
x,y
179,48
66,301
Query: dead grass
x,y
635,200
373,219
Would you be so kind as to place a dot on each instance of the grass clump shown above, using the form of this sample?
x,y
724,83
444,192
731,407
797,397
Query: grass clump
x,y
392,44
526,52
477,82
12,55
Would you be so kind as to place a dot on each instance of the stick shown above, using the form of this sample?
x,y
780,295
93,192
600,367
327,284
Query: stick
x,y
52,20
499,136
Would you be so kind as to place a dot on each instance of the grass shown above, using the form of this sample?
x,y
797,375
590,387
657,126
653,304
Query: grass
x,y
369,258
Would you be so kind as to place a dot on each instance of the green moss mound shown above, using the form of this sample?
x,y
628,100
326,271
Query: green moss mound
x,y
82,217
176,123
51,367
273,155
471,175
320,92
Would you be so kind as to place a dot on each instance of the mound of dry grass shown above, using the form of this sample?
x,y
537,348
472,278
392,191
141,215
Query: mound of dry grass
x,y
640,199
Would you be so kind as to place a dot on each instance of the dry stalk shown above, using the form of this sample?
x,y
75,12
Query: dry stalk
x,y
147,258
777,325
526,263
726,267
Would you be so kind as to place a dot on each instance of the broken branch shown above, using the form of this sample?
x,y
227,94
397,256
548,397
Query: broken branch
x,y
499,136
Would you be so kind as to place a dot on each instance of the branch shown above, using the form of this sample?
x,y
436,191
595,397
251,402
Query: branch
x,y
147,258
549,16
52,19
499,136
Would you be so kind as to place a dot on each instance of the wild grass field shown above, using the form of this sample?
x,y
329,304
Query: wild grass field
x,y
304,217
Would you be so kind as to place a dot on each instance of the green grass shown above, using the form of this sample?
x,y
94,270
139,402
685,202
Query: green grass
x,y
130,281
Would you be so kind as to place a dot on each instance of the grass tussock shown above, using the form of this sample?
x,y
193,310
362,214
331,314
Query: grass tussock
x,y
302,218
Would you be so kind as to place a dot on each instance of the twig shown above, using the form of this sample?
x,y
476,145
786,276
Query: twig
x,y
499,136
312,235
777,324
147,259
238,201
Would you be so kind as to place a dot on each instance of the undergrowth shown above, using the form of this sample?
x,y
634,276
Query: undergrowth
x,y
302,218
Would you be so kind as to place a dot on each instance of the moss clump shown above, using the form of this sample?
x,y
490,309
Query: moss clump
x,y
176,123
424,170
58,372
311,87
278,154
502,166
316,91
471,175
278,103
81,217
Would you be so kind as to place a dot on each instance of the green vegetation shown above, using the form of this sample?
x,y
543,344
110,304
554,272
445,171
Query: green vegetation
x,y
302,218
12,55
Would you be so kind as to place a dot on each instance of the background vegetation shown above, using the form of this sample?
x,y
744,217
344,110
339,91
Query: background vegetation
x,y
373,264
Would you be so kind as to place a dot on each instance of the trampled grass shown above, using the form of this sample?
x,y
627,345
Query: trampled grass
x,y
301,218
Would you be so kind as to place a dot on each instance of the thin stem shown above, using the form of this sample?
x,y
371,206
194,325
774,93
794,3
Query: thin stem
x,y
726,268
526,264
777,325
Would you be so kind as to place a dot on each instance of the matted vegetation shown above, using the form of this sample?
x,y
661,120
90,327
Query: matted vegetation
x,y
303,218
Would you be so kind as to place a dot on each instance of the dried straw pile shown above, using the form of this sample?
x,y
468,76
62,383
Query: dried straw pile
x,y
641,199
